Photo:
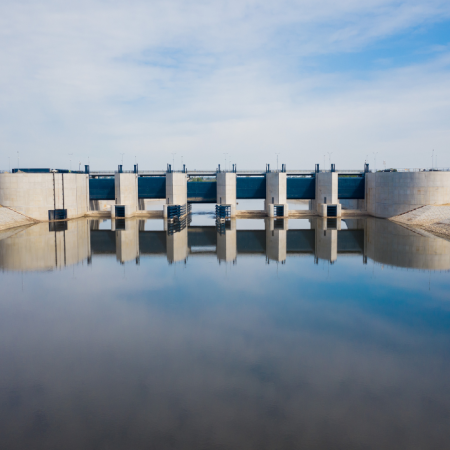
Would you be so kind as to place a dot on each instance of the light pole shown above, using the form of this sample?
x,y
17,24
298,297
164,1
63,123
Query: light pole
x,y
70,162
375,160
173,161
329,158
432,159
277,160
225,155
122,158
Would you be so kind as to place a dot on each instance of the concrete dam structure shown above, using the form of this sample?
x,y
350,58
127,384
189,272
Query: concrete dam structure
x,y
47,195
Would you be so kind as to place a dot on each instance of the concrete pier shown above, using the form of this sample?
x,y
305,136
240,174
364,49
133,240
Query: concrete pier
x,y
327,193
176,190
126,189
226,190
276,193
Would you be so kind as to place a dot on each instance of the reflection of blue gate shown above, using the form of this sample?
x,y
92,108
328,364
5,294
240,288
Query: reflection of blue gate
x,y
222,226
301,188
250,187
351,187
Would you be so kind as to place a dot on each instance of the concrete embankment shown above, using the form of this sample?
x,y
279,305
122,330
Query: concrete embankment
x,y
434,219
11,219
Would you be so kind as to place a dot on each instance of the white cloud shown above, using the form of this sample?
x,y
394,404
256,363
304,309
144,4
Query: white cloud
x,y
150,78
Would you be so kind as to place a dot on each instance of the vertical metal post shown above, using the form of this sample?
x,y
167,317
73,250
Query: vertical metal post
x,y
86,168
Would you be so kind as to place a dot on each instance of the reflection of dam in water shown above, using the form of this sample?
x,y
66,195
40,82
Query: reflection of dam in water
x,y
46,247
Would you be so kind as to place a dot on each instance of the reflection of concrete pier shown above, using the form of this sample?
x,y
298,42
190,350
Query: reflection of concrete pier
x,y
327,238
127,239
226,241
177,244
276,239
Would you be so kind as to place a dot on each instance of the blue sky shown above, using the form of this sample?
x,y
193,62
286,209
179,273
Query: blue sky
x,y
246,78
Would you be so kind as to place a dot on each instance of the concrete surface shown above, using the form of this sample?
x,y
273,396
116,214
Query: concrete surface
x,y
389,194
176,188
226,190
126,189
34,194
10,219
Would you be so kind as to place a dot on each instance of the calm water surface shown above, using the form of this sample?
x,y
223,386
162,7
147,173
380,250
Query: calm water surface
x,y
251,335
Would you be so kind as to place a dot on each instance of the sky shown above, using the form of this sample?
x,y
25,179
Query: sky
x,y
219,82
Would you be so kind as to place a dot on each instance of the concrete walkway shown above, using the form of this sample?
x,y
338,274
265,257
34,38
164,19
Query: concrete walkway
x,y
11,219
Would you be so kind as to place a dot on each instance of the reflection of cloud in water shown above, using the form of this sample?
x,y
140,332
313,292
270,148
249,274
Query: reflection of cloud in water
x,y
191,357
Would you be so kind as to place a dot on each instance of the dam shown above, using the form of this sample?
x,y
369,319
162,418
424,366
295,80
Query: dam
x,y
51,194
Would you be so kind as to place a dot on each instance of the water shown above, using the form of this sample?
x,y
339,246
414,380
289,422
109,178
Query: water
x,y
248,337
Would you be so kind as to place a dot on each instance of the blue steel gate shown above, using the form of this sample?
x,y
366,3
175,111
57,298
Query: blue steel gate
x,y
351,187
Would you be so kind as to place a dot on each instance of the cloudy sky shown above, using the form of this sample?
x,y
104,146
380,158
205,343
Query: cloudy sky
x,y
215,80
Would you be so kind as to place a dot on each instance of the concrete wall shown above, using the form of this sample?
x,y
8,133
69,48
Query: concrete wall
x,y
126,188
326,190
358,204
11,219
34,194
276,188
389,194
226,190
36,248
176,188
